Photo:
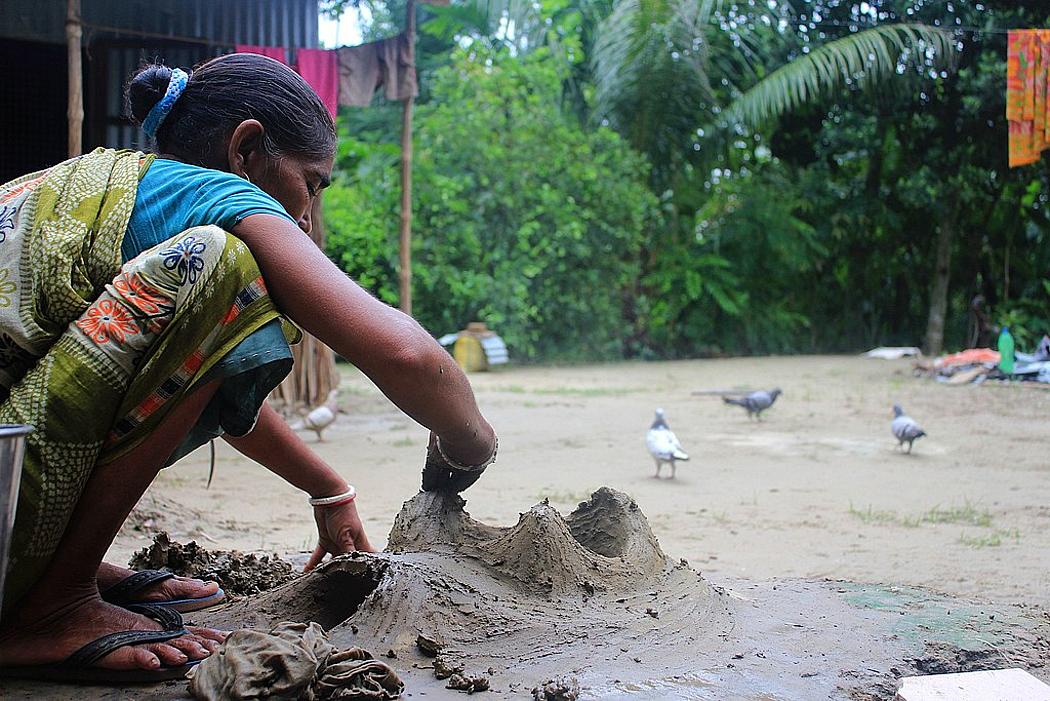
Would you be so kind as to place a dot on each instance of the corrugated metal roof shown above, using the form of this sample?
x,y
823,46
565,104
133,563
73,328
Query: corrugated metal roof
x,y
291,23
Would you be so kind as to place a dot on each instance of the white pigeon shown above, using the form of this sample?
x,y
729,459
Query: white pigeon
x,y
663,445
319,418
904,428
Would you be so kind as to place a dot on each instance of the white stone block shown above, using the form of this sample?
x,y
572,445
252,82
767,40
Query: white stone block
x,y
992,685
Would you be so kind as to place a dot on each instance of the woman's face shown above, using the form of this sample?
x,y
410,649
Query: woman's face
x,y
294,182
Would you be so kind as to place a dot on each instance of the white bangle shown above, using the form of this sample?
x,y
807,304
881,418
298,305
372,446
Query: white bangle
x,y
456,465
348,495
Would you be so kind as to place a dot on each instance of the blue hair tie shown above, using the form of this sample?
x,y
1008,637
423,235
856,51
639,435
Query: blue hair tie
x,y
176,84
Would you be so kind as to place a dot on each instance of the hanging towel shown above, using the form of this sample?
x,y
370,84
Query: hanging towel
x,y
277,53
1039,65
399,68
1027,100
358,74
320,69
388,63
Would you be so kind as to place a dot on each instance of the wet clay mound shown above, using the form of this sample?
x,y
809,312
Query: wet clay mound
x,y
605,544
549,596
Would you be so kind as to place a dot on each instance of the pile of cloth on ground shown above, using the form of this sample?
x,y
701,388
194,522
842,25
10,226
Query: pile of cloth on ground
x,y
292,661
976,365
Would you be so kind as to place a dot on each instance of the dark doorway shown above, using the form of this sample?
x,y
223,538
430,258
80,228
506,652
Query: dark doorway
x,y
32,107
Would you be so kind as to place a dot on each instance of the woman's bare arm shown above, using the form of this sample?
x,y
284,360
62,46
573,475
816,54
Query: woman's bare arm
x,y
394,351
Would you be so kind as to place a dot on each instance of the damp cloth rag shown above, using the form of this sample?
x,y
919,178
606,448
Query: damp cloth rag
x,y
292,661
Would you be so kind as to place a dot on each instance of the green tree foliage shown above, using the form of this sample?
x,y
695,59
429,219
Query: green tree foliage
x,y
666,178
521,217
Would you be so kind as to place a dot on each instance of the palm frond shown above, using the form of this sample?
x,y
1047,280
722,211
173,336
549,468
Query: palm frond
x,y
862,59
642,39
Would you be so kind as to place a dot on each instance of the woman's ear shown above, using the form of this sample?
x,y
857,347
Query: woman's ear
x,y
245,151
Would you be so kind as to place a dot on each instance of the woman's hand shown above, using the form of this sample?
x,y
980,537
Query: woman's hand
x,y
443,472
339,531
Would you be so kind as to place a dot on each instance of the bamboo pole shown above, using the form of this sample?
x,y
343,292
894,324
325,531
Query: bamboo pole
x,y
75,110
406,172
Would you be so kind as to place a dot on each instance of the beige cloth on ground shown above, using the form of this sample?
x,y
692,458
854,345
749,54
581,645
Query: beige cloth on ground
x,y
364,68
292,661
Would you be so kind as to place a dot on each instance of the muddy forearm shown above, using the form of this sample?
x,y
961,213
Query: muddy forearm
x,y
394,351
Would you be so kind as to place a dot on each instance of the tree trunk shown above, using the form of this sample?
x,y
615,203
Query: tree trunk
x,y
314,375
939,289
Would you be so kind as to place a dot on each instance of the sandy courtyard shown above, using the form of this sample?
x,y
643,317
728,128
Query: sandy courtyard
x,y
815,490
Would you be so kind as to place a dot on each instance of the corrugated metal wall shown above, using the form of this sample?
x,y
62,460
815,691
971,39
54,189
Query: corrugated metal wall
x,y
174,32
108,127
268,22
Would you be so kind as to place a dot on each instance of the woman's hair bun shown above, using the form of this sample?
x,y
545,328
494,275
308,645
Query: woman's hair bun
x,y
146,89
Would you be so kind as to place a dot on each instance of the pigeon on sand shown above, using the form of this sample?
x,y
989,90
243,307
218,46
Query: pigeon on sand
x,y
663,445
904,428
319,418
756,402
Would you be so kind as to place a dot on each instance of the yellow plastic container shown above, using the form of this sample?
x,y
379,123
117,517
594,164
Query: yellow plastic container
x,y
469,354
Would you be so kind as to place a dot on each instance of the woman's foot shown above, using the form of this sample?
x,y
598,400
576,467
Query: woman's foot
x,y
176,588
37,637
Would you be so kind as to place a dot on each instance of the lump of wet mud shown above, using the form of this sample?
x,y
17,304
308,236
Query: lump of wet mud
x,y
469,683
561,689
429,645
943,658
443,669
239,574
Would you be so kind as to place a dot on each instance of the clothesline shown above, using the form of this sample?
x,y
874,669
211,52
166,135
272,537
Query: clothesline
x,y
950,27
351,75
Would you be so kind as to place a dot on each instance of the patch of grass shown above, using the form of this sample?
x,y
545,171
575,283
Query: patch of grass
x,y
993,539
968,515
405,442
871,515
587,391
510,389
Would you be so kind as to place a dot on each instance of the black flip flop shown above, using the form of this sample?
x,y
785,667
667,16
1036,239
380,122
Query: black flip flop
x,y
122,593
79,667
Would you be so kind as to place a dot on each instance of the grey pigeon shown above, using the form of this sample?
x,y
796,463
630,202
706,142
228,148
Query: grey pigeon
x,y
904,428
663,445
756,402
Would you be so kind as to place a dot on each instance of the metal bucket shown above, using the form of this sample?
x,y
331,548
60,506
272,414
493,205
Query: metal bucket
x,y
12,448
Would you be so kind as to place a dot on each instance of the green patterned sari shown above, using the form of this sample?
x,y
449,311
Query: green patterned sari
x,y
95,354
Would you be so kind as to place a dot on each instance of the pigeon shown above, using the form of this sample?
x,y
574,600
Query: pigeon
x,y
663,445
904,428
756,402
318,419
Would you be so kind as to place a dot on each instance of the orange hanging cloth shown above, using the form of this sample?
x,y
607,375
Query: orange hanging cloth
x,y
1027,100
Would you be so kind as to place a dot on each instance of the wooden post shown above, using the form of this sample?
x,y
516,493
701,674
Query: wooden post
x,y
314,376
75,110
406,173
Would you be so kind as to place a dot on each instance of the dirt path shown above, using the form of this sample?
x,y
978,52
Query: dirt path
x,y
815,490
